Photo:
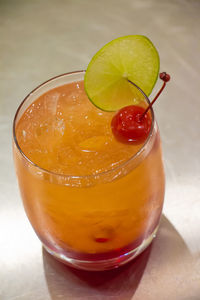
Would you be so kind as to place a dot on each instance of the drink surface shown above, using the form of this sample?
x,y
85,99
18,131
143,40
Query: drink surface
x,y
63,132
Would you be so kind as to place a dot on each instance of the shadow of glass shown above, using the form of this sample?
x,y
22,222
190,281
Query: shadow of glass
x,y
72,283
172,271
68,283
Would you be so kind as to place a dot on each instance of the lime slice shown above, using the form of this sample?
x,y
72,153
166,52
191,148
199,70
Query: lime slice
x,y
133,58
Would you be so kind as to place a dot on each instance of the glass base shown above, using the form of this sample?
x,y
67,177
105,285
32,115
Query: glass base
x,y
104,264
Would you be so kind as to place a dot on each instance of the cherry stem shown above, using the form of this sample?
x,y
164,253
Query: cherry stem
x,y
154,100
163,76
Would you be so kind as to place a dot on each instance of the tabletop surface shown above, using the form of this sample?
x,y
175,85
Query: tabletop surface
x,y
41,39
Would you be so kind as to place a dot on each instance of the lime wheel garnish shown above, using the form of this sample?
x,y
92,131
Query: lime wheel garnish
x,y
130,58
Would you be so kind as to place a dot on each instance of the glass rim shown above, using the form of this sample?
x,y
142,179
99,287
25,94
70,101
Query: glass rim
x,y
121,165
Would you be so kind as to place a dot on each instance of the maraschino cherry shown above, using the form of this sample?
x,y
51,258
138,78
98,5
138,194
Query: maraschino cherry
x,y
132,124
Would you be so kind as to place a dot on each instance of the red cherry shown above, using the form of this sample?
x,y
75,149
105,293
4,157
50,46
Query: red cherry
x,y
101,240
131,125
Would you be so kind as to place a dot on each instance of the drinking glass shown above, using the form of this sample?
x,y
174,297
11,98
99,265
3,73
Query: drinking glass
x,y
93,222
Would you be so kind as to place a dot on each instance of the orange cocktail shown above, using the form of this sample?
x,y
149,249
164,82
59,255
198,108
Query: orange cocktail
x,y
94,202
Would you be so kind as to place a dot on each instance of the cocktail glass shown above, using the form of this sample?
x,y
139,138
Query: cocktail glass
x,y
99,221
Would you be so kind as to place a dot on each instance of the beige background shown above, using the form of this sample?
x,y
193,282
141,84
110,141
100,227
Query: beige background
x,y
41,39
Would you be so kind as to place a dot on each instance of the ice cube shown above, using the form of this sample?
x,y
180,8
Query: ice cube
x,y
51,102
95,143
59,125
